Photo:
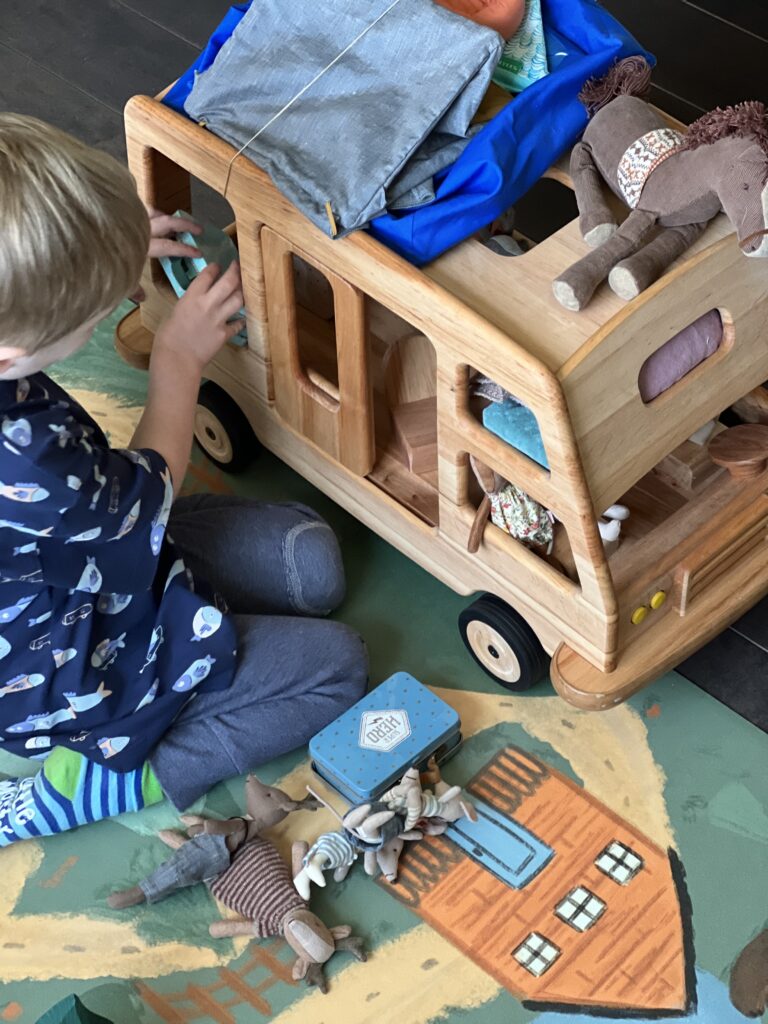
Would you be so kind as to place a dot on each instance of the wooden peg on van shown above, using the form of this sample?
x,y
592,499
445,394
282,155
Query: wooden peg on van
x,y
490,482
742,450
753,407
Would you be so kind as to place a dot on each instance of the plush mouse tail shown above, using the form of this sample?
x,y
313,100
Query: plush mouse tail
x,y
628,77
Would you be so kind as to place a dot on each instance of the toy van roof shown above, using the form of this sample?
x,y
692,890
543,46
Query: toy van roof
x,y
516,294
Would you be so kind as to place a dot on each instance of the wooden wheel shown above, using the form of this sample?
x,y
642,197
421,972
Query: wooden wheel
x,y
222,431
503,644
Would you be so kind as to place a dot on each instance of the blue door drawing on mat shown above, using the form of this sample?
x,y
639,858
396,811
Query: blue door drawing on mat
x,y
509,851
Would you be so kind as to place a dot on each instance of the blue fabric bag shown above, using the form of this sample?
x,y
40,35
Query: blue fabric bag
x,y
512,151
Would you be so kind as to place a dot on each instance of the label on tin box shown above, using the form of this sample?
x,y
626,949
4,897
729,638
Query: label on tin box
x,y
383,730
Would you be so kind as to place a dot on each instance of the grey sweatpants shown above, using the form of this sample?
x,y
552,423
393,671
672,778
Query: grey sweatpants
x,y
277,566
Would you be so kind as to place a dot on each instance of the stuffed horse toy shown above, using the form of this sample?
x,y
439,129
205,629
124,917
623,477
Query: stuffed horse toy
x,y
673,183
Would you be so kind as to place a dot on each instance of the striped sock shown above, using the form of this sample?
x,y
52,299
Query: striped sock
x,y
68,791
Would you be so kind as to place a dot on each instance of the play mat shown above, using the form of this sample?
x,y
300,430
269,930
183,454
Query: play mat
x,y
674,777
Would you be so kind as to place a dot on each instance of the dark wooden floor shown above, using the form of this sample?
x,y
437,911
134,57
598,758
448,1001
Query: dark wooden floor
x,y
76,62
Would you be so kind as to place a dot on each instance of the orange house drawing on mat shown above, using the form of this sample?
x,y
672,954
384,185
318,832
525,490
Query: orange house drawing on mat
x,y
600,924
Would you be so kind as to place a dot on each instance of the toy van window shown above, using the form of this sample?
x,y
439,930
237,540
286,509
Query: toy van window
x,y
619,862
517,520
544,210
680,355
536,954
580,909
189,198
315,312
403,368
503,414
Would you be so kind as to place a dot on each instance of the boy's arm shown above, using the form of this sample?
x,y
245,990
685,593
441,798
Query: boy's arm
x,y
183,346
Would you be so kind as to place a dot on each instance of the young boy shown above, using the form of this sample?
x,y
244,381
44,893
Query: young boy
x,y
120,663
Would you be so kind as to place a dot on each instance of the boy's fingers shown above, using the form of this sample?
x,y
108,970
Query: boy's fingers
x,y
234,328
227,283
185,224
200,286
170,247
162,224
204,280
233,305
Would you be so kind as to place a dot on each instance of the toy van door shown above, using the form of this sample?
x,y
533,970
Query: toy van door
x,y
320,366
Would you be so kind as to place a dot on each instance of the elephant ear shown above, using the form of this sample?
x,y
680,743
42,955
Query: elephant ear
x,y
449,795
300,968
414,803
371,827
172,838
299,850
218,826
354,819
469,810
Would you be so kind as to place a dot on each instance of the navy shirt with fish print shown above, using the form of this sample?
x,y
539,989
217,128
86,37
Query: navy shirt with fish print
x,y
104,633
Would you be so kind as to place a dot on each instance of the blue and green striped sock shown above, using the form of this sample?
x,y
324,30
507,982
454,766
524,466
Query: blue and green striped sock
x,y
68,791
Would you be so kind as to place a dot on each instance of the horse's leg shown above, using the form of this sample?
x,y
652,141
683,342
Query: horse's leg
x,y
634,274
576,286
596,220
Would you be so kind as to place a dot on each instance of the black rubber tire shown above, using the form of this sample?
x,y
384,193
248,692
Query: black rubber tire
x,y
222,431
491,612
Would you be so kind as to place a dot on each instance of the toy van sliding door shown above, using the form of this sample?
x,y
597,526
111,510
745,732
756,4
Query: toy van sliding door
x,y
322,383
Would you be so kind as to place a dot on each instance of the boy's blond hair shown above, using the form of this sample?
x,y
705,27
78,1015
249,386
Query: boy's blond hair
x,y
73,233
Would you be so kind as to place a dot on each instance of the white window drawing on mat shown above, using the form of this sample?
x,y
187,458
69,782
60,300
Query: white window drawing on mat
x,y
536,954
619,862
580,909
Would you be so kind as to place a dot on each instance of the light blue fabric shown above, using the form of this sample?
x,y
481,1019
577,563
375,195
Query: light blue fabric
x,y
367,103
524,60
516,425
511,153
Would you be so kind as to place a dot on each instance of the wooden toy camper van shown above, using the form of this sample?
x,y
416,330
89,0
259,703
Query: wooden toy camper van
x,y
363,387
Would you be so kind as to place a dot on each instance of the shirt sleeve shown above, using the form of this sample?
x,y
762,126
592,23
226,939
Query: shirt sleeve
x,y
97,514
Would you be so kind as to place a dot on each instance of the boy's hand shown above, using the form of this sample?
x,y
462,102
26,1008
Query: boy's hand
x,y
161,226
198,326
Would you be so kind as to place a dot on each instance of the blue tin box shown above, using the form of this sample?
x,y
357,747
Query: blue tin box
x,y
398,724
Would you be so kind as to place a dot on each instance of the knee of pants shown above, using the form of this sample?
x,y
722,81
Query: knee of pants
x,y
313,567
349,664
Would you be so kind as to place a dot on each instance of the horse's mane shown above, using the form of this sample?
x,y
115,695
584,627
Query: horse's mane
x,y
628,77
632,77
745,119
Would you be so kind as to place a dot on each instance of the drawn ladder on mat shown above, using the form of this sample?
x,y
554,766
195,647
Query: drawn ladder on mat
x,y
199,1003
